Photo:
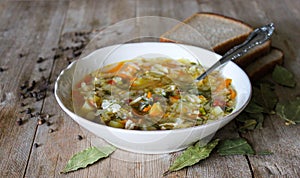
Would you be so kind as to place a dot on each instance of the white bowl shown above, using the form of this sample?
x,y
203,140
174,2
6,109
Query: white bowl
x,y
150,142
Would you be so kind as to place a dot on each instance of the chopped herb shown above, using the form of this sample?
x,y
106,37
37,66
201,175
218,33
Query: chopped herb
x,y
237,146
283,76
192,155
87,157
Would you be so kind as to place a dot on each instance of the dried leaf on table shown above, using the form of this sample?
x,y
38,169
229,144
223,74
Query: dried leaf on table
x,y
269,97
237,146
289,111
86,157
252,107
192,155
283,76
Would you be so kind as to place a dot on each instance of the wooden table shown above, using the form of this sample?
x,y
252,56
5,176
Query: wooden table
x,y
31,29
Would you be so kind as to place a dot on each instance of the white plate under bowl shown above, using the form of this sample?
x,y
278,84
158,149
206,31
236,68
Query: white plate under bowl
x,y
150,142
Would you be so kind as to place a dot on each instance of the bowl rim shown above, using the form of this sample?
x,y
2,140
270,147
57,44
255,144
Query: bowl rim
x,y
146,132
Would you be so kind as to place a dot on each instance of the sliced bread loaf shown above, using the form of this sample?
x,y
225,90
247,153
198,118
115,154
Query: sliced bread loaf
x,y
265,64
220,32
215,32
253,54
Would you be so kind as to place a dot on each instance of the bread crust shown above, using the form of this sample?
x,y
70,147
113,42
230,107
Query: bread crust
x,y
220,48
261,71
254,54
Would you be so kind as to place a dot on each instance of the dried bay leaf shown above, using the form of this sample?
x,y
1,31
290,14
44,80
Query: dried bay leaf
x,y
192,155
237,146
86,157
264,152
256,95
252,107
264,100
269,97
259,119
289,111
264,95
249,124
249,121
283,76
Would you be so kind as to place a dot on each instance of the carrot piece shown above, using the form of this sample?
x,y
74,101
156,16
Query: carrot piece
x,y
232,94
176,96
228,82
173,99
146,109
111,82
201,97
149,94
123,121
116,68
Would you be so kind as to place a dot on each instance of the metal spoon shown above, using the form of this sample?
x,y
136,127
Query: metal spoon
x,y
257,37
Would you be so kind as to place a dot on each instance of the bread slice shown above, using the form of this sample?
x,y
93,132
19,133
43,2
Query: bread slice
x,y
215,32
253,54
220,32
265,64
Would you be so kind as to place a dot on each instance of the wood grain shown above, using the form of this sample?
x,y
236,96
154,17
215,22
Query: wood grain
x,y
25,29
33,28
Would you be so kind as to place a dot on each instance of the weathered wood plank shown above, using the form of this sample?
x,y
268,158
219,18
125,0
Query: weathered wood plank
x,y
56,146
24,30
270,138
282,140
90,15
37,31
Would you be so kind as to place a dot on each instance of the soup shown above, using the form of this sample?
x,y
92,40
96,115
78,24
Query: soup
x,y
153,94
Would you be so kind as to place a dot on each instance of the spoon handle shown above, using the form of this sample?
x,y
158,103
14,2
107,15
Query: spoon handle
x,y
257,37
